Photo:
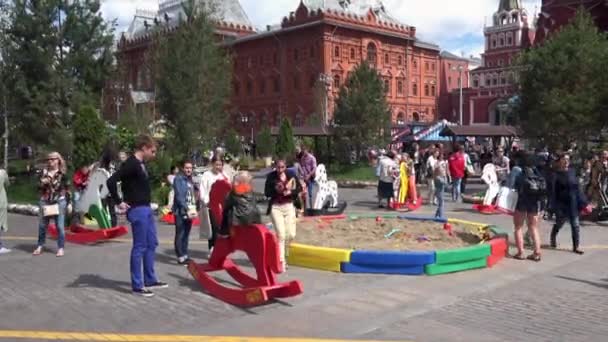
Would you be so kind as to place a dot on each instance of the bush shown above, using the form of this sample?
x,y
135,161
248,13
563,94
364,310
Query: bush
x,y
286,146
233,143
265,143
89,137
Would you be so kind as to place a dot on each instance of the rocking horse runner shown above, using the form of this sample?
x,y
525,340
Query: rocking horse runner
x,y
255,240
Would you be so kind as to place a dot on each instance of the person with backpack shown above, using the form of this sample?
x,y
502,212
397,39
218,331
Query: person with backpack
x,y
531,188
567,201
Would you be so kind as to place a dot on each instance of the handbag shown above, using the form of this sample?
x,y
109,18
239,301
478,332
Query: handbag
x,y
50,210
192,212
507,200
205,231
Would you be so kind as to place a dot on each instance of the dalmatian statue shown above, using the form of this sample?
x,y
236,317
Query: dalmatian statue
x,y
325,190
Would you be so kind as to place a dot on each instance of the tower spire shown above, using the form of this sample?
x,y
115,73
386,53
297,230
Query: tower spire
x,y
508,5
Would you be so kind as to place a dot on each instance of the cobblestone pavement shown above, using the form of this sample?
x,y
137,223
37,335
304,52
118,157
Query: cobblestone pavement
x,y
562,298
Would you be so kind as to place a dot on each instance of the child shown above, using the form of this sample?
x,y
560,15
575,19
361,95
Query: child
x,y
240,207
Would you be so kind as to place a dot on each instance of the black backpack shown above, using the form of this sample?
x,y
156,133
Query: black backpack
x,y
533,184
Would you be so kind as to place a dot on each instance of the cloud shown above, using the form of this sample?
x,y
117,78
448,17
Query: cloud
x,y
456,25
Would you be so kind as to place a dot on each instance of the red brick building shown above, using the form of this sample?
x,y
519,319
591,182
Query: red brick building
x,y
557,13
295,69
485,101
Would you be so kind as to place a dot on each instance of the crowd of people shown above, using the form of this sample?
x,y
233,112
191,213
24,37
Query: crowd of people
x,y
545,182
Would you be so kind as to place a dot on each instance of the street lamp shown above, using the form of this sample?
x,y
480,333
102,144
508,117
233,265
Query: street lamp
x,y
460,69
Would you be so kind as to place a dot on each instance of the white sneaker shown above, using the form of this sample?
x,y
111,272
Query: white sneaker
x,y
60,253
4,250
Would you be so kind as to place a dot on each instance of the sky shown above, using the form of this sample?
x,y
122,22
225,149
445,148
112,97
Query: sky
x,y
456,25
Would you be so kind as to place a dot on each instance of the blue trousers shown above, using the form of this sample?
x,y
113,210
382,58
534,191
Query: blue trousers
x,y
59,222
439,187
182,235
145,241
456,187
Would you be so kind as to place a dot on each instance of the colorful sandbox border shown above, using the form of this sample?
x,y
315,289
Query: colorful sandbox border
x,y
404,263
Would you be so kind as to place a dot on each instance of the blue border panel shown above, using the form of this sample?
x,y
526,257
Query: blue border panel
x,y
392,258
423,218
402,270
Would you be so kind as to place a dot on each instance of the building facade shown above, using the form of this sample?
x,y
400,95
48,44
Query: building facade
x,y
557,13
485,101
296,69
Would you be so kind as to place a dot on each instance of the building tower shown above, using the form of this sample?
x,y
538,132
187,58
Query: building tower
x,y
492,83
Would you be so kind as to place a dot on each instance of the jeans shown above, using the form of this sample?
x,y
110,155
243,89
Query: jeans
x,y
182,235
143,227
560,220
456,184
309,187
431,193
439,187
59,222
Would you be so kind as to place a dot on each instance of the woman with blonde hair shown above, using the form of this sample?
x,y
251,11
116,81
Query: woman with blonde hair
x,y
54,190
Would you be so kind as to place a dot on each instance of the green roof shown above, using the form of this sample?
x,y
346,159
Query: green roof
x,y
508,5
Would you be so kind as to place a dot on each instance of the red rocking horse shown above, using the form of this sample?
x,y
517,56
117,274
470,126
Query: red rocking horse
x,y
262,249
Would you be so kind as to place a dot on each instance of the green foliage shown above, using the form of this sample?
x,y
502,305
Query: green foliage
x,y
125,139
193,75
89,136
160,167
233,143
564,85
59,54
362,116
357,172
265,143
286,146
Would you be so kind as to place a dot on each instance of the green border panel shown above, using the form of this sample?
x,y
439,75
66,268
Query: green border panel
x,y
453,256
436,269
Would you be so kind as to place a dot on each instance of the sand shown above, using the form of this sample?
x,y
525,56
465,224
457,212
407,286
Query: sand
x,y
369,234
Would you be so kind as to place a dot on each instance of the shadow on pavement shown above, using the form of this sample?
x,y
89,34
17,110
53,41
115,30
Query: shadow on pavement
x,y
28,248
97,281
588,282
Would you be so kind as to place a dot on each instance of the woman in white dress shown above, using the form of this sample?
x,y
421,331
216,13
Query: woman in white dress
x,y
3,208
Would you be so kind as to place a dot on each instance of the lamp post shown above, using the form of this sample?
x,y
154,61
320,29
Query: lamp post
x,y
460,69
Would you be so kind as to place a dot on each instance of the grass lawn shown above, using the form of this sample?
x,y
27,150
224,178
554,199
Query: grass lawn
x,y
358,172
23,190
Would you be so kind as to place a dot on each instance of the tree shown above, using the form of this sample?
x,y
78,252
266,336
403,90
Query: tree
x,y
60,53
286,146
193,75
89,136
564,85
264,143
233,143
362,115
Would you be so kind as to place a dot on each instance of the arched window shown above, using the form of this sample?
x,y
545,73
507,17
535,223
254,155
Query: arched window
x,y
262,86
426,90
371,53
337,52
501,41
433,90
415,89
514,18
400,119
352,53
337,84
387,86
400,60
312,81
400,87
416,117
503,20
276,84
415,64
387,59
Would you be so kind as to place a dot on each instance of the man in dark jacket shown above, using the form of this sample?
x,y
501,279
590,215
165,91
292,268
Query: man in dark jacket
x,y
184,210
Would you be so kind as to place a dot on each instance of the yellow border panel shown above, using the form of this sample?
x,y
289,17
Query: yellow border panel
x,y
471,223
319,258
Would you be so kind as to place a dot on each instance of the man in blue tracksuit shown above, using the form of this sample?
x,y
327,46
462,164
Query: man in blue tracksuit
x,y
135,186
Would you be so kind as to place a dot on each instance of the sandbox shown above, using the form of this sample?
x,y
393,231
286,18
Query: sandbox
x,y
391,244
